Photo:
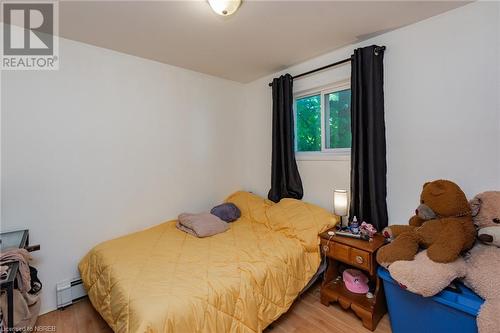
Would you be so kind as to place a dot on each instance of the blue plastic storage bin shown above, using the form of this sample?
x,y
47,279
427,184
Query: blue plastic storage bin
x,y
448,311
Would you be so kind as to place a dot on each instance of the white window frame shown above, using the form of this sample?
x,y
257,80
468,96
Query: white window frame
x,y
325,153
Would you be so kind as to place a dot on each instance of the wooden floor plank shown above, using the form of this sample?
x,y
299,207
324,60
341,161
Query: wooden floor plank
x,y
307,315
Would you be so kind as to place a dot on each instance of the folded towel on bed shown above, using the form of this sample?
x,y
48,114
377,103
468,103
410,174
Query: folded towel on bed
x,y
201,225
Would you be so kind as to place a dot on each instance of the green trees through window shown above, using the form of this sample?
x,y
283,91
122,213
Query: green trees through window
x,y
338,119
337,116
308,123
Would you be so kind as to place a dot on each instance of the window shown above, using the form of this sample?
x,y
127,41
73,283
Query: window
x,y
323,120
338,119
308,123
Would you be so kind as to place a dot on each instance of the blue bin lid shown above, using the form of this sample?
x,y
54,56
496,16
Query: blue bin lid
x,y
462,299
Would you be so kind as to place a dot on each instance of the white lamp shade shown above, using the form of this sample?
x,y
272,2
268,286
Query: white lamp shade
x,y
224,7
340,201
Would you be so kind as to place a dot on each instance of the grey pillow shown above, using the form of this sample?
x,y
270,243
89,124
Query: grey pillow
x,y
228,212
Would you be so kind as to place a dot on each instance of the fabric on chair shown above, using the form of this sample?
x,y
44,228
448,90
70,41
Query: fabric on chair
x,y
23,257
26,310
4,272
285,177
26,305
368,152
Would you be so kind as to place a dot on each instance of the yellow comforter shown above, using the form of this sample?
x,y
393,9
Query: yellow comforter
x,y
164,280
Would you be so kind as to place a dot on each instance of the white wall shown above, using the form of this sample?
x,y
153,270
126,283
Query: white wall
x,y
441,103
107,145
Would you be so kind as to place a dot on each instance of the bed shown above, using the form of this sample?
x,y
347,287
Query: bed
x,y
164,280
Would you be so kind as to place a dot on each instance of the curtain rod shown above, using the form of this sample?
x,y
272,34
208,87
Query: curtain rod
x,y
376,50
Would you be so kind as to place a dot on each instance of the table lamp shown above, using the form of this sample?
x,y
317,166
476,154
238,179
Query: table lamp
x,y
340,204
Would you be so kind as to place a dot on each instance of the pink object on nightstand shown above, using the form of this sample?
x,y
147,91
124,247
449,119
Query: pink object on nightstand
x,y
355,281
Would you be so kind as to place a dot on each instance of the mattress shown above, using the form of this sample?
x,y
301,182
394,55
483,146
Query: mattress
x,y
164,280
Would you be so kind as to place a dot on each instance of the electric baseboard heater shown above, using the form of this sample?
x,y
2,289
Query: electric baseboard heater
x,y
69,291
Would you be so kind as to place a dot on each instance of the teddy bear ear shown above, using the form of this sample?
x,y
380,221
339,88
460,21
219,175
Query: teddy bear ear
x,y
439,188
475,204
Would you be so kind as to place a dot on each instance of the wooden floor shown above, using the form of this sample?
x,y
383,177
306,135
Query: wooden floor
x,y
306,315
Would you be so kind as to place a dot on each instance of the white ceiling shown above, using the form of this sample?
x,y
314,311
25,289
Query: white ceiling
x,y
261,38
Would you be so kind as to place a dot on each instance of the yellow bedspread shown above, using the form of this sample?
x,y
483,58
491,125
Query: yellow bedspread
x,y
164,280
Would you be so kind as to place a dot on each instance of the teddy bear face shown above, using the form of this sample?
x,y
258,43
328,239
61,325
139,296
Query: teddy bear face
x,y
486,217
442,198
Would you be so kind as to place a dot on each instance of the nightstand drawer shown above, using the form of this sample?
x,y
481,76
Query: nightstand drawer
x,y
360,258
340,251
347,254
335,250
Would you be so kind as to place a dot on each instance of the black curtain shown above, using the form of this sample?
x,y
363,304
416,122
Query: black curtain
x,y
285,178
368,152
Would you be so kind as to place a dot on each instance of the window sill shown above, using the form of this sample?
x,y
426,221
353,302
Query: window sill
x,y
319,156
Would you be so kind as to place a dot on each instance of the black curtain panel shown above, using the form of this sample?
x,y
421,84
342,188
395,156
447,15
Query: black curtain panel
x,y
285,178
368,151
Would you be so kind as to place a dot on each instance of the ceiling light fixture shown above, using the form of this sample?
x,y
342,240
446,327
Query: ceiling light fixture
x,y
224,7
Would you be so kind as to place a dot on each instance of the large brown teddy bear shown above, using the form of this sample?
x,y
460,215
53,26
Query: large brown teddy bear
x,y
442,224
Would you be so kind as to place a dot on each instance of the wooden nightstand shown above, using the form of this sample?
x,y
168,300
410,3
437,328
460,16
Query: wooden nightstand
x,y
359,254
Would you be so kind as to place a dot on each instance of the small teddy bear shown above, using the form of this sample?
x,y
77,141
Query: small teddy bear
x,y
480,267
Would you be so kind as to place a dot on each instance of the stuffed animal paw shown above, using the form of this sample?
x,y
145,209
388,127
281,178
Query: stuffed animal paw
x,y
403,247
488,320
426,277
